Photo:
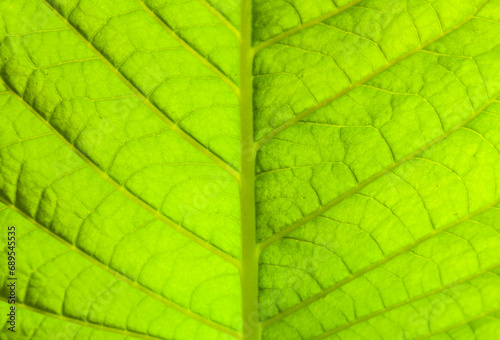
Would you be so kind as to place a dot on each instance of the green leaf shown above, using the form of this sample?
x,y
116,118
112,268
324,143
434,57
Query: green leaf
x,y
224,169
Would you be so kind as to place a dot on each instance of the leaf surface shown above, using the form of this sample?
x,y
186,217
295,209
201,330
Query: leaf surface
x,y
222,169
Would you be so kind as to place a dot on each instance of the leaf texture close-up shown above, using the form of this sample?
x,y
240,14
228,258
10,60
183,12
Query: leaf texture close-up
x,y
251,169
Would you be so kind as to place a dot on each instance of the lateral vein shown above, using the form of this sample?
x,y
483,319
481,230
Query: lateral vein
x,y
84,323
225,256
122,277
173,126
189,48
459,324
370,180
373,266
264,140
221,17
406,302
304,26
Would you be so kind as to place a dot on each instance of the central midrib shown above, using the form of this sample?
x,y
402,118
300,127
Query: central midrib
x,y
249,255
